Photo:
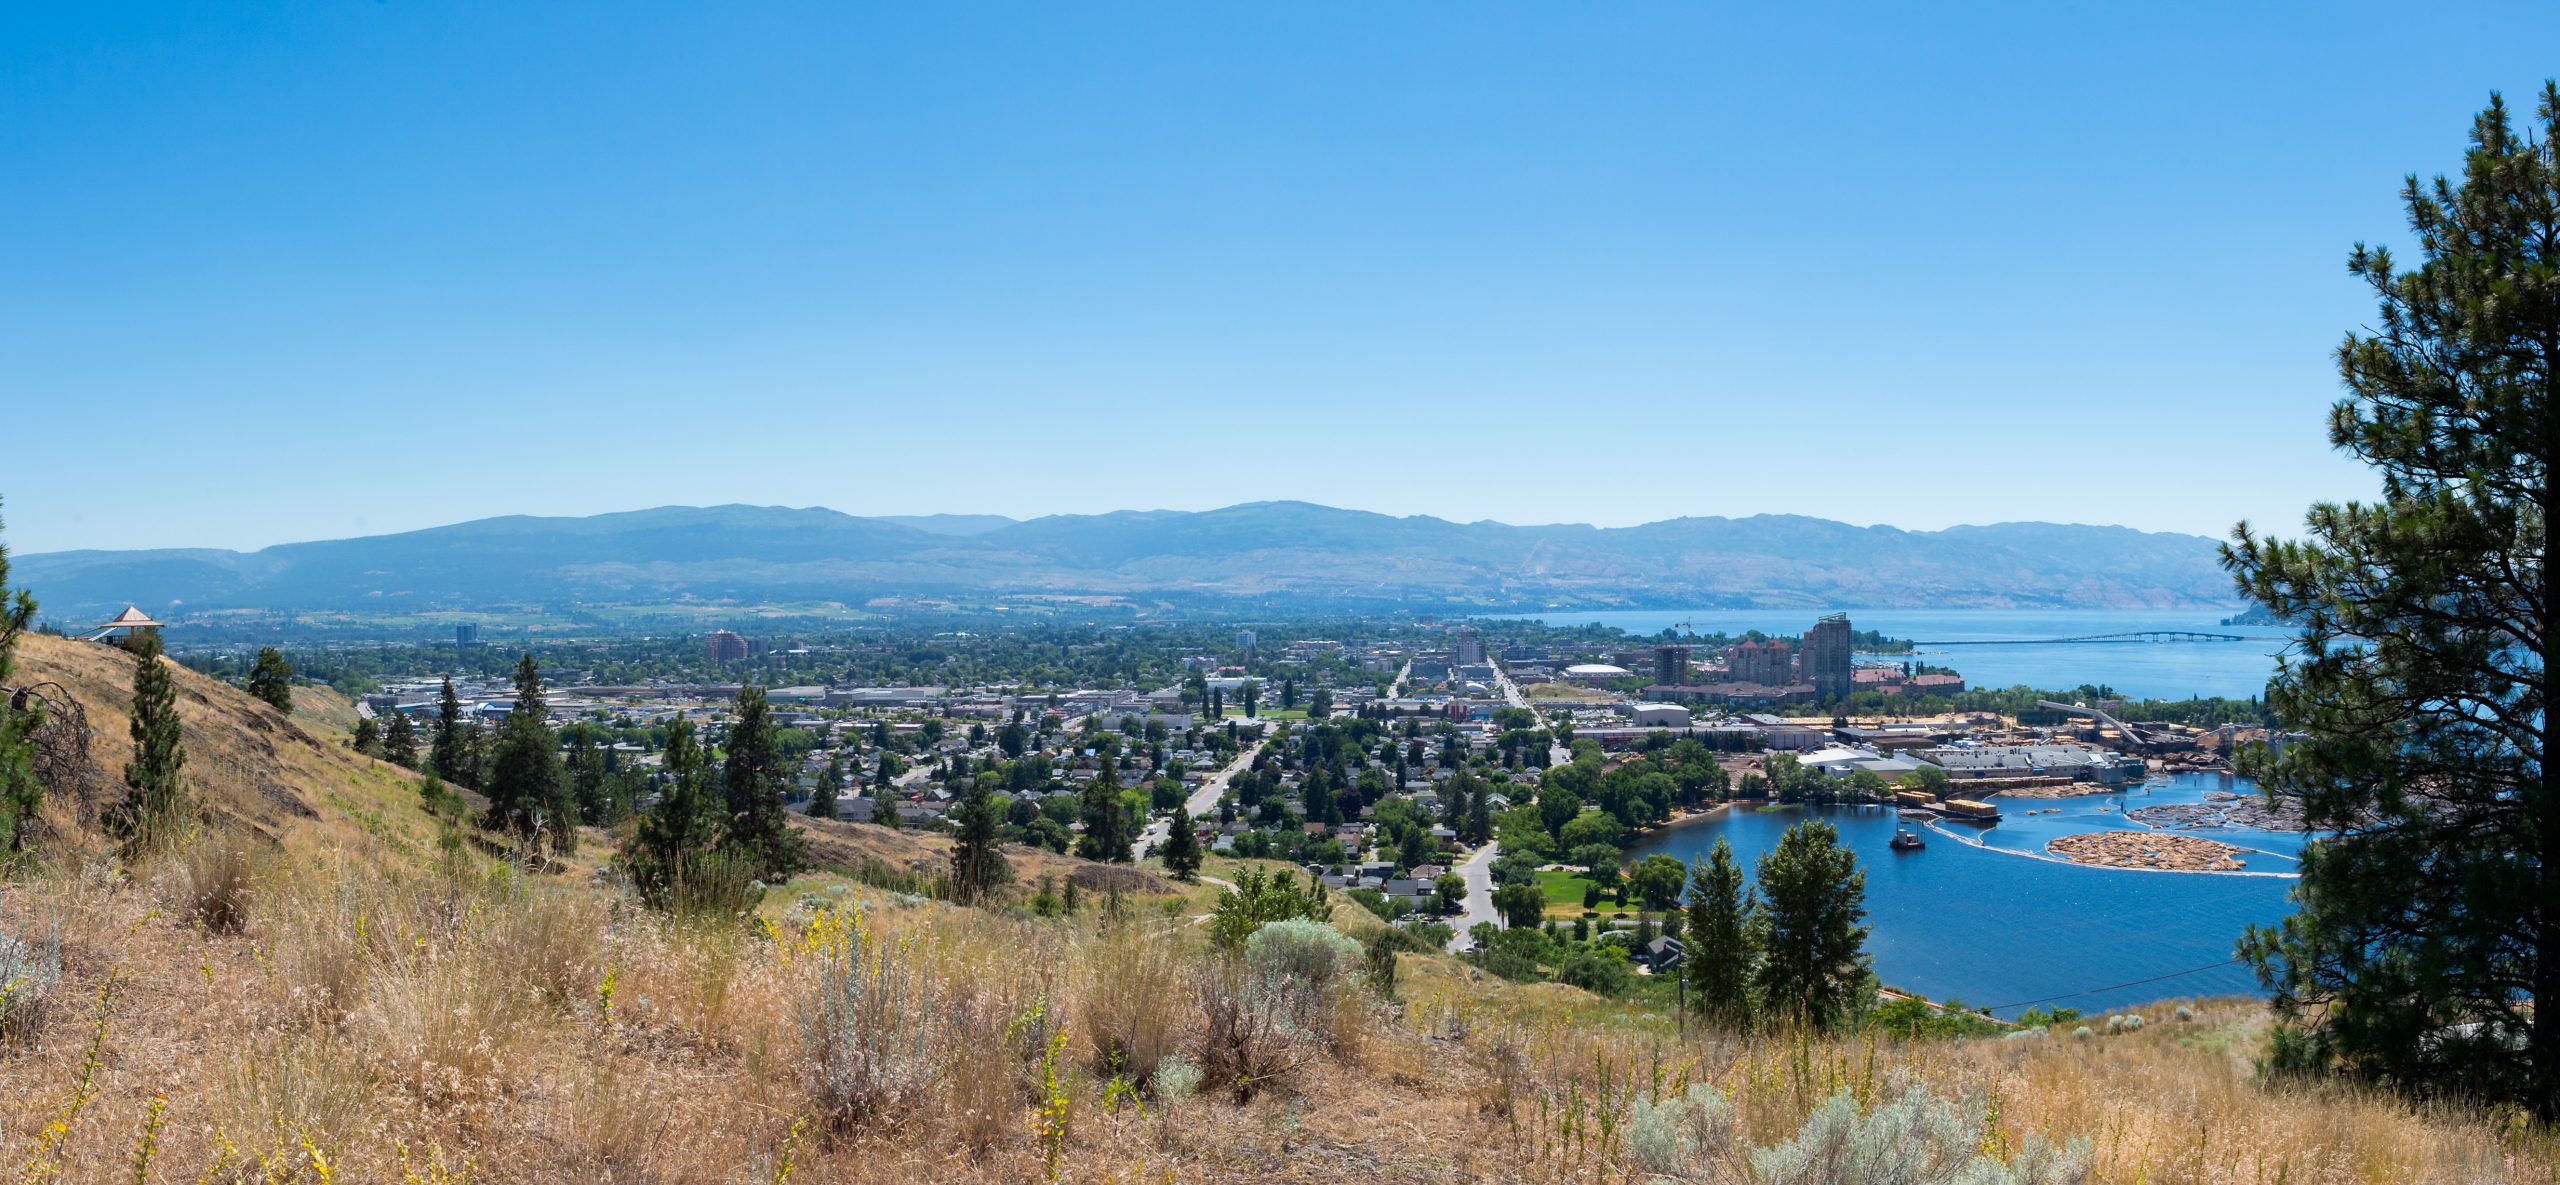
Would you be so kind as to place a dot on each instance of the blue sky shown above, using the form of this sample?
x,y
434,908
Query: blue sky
x,y
304,271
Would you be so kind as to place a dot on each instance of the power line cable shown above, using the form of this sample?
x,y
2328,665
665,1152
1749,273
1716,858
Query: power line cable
x,y
2113,986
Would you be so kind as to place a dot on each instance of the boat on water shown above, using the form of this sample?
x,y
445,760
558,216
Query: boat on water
x,y
1907,840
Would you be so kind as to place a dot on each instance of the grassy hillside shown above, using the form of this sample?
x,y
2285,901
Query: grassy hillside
x,y
317,991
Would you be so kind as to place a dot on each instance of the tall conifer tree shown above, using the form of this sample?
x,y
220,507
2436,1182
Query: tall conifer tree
x,y
155,803
1182,846
400,741
271,679
448,758
977,853
527,788
1721,954
1106,819
2426,944
1813,897
678,843
21,793
753,781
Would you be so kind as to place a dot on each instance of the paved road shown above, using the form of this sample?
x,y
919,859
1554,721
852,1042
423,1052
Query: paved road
x,y
1556,754
1202,803
1478,906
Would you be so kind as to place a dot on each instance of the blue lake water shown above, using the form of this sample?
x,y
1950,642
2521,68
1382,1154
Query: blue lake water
x,y
2142,670
1981,915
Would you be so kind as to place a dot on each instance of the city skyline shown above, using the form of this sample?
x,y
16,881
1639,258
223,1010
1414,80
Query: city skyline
x,y
362,269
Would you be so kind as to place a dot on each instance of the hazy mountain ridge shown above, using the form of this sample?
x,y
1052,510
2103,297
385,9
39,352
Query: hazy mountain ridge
x,y
1258,551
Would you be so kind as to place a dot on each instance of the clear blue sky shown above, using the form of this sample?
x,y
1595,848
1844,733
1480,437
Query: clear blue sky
x,y
338,268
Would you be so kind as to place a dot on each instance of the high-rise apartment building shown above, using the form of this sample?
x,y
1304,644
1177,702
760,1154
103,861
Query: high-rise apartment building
x,y
1671,665
723,646
1470,646
1770,663
1826,657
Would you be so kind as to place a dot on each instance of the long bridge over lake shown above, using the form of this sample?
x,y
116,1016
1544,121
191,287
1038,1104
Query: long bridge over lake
x,y
2135,636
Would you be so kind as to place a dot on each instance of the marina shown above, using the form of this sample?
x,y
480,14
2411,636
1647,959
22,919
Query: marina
x,y
1992,916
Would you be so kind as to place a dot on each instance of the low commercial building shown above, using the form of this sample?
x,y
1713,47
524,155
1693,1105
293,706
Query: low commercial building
x,y
1659,715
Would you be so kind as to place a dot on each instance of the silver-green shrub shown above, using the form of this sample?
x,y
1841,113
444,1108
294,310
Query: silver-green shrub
x,y
1299,971
1680,1135
1917,1139
1176,1078
29,971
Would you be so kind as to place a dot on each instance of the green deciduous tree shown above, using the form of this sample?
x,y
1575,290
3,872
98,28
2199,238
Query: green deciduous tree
x,y
155,803
2427,938
1722,949
1655,882
1520,905
271,679
1451,889
1813,897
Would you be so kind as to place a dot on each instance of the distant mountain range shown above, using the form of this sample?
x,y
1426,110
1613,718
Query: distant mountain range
x,y
1267,555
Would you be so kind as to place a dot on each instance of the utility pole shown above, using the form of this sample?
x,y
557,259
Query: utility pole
x,y
1674,955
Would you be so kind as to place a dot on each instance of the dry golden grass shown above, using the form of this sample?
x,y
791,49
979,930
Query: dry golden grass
x,y
375,1013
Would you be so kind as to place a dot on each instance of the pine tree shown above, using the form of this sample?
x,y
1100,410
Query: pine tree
x,y
587,783
2426,939
155,803
822,802
21,792
1182,846
1720,953
1813,955
400,741
271,679
675,852
753,781
977,855
367,737
1106,819
527,788
1479,824
448,757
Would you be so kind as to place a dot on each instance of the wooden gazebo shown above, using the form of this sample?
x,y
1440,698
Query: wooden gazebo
x,y
128,623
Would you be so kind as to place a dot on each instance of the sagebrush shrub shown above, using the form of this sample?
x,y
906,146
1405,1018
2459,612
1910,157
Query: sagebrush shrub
x,y
870,1034
1680,1135
1176,1078
29,971
1306,975
1917,1139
